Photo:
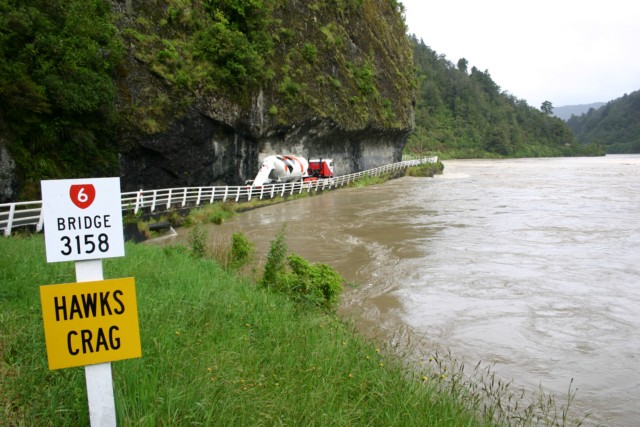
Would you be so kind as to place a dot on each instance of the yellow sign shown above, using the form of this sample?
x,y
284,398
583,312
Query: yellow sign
x,y
90,322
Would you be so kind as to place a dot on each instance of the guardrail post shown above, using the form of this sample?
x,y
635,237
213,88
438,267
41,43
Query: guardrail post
x,y
199,194
7,230
169,199
184,197
40,224
153,202
226,192
138,201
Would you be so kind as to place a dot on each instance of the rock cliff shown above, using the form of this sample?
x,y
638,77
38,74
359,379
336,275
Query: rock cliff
x,y
7,174
338,83
170,93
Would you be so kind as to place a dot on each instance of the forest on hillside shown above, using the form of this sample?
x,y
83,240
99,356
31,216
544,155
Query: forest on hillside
x,y
463,113
58,115
615,127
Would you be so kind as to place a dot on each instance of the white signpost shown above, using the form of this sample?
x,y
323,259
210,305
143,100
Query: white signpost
x,y
83,223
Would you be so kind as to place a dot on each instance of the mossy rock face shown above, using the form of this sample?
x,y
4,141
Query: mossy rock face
x,y
337,82
361,71
7,177
349,61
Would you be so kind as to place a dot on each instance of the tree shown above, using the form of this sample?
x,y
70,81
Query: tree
x,y
57,92
463,64
547,108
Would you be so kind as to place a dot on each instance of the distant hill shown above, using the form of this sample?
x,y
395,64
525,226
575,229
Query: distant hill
x,y
566,111
615,126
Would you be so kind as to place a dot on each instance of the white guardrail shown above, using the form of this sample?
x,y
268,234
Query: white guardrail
x,y
23,214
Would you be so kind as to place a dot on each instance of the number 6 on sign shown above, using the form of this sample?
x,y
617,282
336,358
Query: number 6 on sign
x,y
82,195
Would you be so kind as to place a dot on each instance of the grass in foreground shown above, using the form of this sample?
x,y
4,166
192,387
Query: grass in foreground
x,y
218,350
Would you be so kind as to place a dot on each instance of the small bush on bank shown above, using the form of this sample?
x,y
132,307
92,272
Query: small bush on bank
x,y
313,284
316,285
426,169
198,242
242,250
275,265
215,213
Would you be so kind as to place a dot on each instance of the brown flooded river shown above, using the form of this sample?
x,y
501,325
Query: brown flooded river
x,y
531,264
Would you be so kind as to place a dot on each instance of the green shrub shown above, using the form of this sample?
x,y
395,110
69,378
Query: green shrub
x,y
242,250
425,169
289,88
275,265
198,242
215,213
315,285
365,77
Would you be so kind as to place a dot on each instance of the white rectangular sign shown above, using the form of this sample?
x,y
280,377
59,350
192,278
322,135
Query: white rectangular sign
x,y
82,219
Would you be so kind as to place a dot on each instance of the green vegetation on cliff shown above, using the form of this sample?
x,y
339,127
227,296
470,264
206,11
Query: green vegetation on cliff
x,y
350,61
346,60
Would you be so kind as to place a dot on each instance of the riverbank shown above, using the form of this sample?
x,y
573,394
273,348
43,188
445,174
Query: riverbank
x,y
374,236
216,351
142,227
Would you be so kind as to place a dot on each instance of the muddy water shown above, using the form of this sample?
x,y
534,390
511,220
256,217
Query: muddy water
x,y
532,264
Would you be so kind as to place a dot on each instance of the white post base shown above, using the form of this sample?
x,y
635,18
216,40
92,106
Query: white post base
x,y
102,406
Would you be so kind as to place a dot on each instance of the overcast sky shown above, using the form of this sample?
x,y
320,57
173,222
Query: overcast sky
x,y
564,51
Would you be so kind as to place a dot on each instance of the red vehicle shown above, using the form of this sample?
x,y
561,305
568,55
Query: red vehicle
x,y
319,168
